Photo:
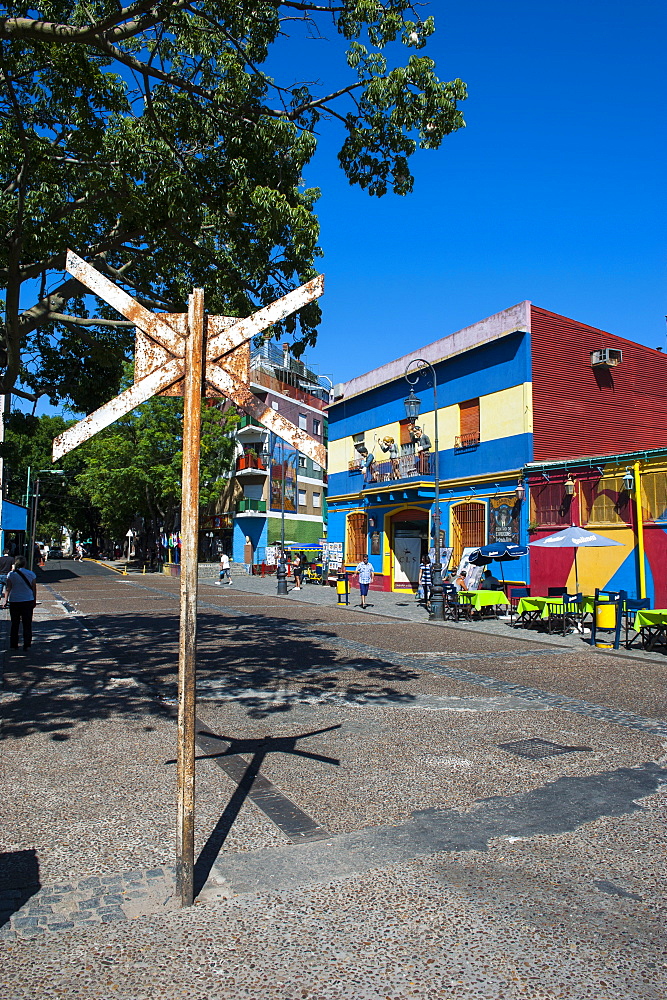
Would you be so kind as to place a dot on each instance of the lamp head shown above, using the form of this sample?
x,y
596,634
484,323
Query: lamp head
x,y
628,481
412,405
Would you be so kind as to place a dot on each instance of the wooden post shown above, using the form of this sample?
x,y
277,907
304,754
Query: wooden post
x,y
187,654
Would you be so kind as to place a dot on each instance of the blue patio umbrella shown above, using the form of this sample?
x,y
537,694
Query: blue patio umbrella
x,y
498,552
574,537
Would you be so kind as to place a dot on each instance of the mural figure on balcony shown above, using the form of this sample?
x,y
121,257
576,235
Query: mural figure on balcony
x,y
367,461
388,445
422,443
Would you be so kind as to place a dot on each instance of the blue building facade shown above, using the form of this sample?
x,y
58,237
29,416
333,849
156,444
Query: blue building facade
x,y
382,477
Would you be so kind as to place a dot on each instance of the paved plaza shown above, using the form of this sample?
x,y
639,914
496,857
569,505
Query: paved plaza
x,y
386,807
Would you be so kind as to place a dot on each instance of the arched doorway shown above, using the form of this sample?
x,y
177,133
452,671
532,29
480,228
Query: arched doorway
x,y
468,527
409,541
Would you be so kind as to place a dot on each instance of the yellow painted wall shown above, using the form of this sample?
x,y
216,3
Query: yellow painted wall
x,y
502,414
506,413
598,565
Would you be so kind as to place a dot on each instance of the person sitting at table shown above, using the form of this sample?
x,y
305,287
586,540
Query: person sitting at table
x,y
460,582
490,582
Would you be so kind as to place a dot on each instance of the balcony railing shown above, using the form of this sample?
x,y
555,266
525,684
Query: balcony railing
x,y
246,504
249,462
464,441
404,467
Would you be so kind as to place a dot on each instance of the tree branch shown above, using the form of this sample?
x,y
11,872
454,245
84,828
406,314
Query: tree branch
x,y
78,321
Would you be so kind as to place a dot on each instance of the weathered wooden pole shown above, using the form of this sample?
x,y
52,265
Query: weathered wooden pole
x,y
187,651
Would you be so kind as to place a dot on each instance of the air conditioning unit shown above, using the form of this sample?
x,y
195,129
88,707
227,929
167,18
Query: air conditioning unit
x,y
606,356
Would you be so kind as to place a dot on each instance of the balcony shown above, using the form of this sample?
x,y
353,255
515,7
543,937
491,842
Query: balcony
x,y
267,381
249,506
465,442
404,467
250,462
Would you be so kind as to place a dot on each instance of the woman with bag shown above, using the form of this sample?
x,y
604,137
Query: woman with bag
x,y
424,581
21,591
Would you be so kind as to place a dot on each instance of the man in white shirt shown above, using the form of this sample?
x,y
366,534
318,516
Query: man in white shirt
x,y
225,570
364,572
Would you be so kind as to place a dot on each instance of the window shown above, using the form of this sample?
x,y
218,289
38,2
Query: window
x,y
316,427
317,500
302,498
302,462
303,422
356,538
605,502
468,527
654,496
468,436
550,504
274,404
316,467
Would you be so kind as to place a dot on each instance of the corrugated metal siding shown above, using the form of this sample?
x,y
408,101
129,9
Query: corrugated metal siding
x,y
576,414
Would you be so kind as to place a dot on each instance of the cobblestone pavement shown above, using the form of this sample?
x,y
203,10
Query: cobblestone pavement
x,y
385,808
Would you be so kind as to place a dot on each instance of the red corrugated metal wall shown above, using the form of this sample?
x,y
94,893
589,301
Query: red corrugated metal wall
x,y
579,411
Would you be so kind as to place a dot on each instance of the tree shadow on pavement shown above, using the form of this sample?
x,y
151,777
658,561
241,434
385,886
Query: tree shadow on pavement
x,y
19,880
126,664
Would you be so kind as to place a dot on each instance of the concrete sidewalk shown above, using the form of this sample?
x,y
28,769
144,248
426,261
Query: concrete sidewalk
x,y
406,608
439,861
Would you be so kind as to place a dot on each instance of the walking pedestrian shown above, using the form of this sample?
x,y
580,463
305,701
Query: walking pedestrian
x,y
225,571
425,580
297,569
365,573
21,596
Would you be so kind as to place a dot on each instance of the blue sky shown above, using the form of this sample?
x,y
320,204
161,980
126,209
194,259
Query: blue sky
x,y
554,192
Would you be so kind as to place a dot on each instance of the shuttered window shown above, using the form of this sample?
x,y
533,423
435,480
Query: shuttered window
x,y
357,532
549,505
654,496
468,527
468,435
605,502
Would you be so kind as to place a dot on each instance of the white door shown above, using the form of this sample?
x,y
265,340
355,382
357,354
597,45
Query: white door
x,y
407,553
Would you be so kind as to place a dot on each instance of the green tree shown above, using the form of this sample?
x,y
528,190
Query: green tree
x,y
27,454
133,468
130,470
152,140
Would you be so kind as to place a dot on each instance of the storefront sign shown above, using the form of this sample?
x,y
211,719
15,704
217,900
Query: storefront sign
x,y
503,525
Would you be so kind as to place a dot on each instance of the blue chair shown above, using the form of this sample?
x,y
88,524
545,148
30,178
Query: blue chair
x,y
630,606
450,604
568,612
556,591
515,594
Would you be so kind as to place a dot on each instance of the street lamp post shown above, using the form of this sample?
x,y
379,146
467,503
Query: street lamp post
x,y
281,571
412,408
33,531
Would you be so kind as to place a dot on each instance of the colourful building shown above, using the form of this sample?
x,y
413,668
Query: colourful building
x,y
271,482
520,389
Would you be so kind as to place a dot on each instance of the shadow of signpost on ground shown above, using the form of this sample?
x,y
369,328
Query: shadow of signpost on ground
x,y
247,774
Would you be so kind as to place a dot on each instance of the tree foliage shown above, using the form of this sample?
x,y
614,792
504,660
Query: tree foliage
x,y
152,141
133,468
130,470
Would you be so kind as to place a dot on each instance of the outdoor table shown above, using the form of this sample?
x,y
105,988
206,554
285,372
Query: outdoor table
x,y
479,599
540,605
652,625
537,609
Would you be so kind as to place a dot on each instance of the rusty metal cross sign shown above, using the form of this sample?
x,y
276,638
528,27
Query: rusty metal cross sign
x,y
193,355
